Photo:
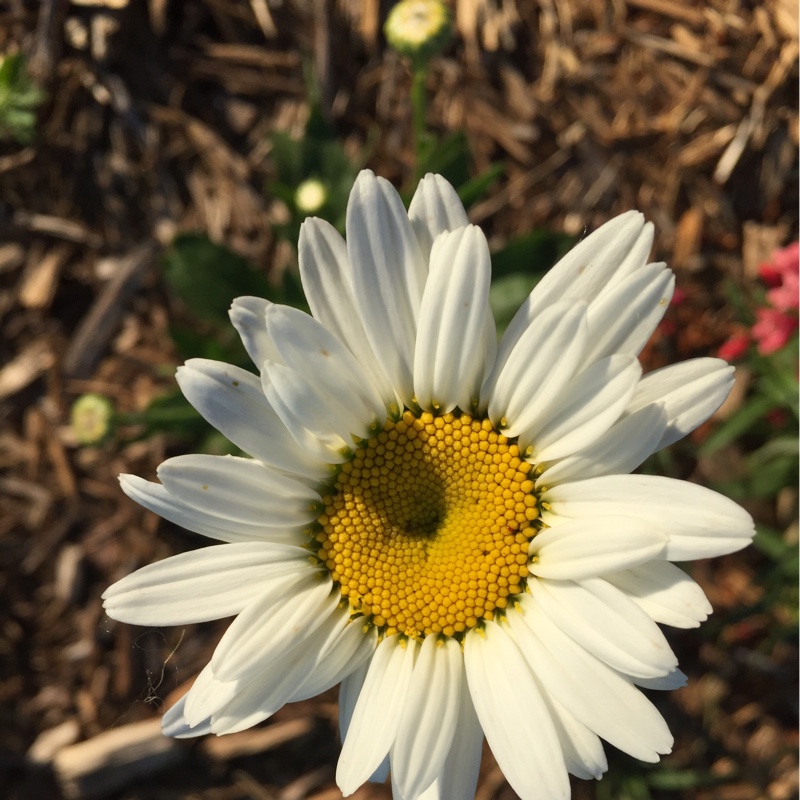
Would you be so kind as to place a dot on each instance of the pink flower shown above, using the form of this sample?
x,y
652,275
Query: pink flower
x,y
770,275
781,275
678,296
735,347
787,259
784,297
772,330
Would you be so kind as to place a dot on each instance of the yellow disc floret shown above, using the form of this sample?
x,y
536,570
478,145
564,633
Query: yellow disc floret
x,y
427,528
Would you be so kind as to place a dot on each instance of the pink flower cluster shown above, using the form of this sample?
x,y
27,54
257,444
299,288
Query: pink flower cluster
x,y
775,323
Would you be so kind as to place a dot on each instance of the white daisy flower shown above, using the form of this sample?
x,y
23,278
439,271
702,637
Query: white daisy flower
x,y
444,525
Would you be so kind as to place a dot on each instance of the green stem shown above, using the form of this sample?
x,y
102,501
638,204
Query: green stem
x,y
418,105
158,416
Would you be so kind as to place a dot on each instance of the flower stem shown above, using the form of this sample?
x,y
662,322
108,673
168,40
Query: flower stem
x,y
418,106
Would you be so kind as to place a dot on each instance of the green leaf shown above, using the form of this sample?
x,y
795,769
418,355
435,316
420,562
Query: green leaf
x,y
770,478
675,780
19,99
779,447
533,253
772,544
737,425
207,277
171,413
506,295
475,188
448,157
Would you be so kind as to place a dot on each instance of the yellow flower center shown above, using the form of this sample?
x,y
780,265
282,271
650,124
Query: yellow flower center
x,y
427,528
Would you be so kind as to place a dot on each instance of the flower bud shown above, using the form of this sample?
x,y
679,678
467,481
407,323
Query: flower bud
x,y
419,29
92,418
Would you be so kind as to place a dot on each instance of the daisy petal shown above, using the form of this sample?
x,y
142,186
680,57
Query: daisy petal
x,y
596,695
271,689
690,393
233,401
349,651
206,695
612,252
435,208
576,549
349,690
667,683
328,286
459,777
429,718
607,624
200,585
622,448
388,276
584,410
377,712
174,724
453,333
239,490
539,366
155,498
501,685
247,315
623,318
301,403
700,522
268,626
310,349
665,592
583,751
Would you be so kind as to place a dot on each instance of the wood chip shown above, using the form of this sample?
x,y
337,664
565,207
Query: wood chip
x,y
669,47
52,740
759,242
56,226
25,368
115,759
40,279
12,256
706,146
256,740
94,333
688,238
671,9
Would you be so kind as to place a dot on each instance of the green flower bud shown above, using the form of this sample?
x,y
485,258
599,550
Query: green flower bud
x,y
419,29
92,418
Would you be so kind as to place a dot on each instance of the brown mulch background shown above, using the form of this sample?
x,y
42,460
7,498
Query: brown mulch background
x,y
158,121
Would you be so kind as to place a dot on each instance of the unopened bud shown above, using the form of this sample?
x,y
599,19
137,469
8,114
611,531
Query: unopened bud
x,y
419,29
91,418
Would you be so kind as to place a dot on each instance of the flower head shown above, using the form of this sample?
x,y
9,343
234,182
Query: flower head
x,y
772,330
91,418
311,195
782,275
735,347
444,524
419,29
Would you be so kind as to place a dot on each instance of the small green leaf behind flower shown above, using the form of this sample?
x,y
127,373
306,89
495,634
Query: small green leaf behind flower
x,y
205,277
19,99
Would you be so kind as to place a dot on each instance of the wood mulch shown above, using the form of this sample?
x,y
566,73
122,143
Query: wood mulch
x,y
157,122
